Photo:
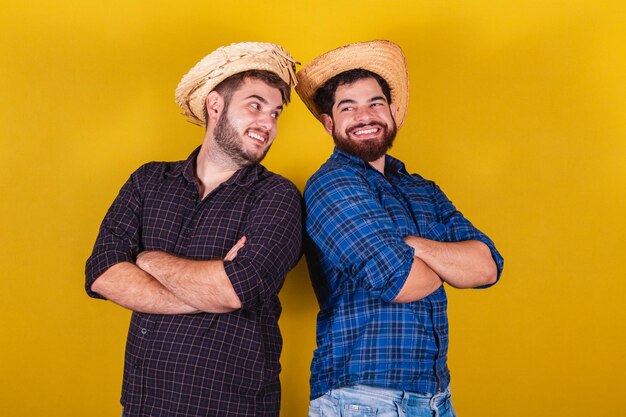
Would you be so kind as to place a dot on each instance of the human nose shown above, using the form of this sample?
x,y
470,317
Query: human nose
x,y
266,120
363,114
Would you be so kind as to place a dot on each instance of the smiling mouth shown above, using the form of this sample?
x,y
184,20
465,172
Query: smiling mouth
x,y
366,131
256,136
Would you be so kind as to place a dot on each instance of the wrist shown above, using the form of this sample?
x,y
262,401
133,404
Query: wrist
x,y
149,261
416,243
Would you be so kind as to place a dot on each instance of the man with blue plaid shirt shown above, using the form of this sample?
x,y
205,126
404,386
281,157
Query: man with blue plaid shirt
x,y
380,244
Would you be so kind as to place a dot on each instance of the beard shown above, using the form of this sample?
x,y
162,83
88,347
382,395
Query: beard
x,y
231,144
368,150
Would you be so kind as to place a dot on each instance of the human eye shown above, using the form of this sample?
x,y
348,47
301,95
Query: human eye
x,y
255,105
276,114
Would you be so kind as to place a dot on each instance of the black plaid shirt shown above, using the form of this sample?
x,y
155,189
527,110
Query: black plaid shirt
x,y
205,364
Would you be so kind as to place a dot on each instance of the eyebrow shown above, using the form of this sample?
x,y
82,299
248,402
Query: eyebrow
x,y
350,101
263,100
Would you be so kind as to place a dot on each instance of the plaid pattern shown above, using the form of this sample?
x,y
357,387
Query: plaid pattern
x,y
205,364
356,220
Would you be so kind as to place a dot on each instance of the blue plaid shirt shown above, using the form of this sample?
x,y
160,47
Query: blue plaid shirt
x,y
356,220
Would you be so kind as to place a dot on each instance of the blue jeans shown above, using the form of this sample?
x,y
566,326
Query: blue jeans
x,y
368,401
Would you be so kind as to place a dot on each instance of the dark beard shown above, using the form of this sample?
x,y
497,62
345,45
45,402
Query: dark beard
x,y
227,139
368,150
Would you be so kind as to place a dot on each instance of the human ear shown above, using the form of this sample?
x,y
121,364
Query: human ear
x,y
327,121
394,110
214,106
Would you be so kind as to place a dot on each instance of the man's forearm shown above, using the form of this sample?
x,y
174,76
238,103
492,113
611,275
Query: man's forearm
x,y
465,264
129,286
421,282
201,284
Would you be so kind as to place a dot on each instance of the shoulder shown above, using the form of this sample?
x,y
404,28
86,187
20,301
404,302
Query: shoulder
x,y
158,169
397,169
277,197
422,189
155,173
418,180
271,183
335,173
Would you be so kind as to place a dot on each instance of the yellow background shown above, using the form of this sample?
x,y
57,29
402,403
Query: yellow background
x,y
517,110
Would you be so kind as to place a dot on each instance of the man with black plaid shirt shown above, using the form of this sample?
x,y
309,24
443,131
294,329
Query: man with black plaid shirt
x,y
199,249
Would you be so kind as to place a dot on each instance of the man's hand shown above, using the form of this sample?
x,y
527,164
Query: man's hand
x,y
232,253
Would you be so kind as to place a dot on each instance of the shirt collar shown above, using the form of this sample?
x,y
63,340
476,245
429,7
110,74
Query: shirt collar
x,y
393,166
242,177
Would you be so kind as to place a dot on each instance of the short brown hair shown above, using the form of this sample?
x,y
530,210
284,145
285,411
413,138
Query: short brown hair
x,y
231,84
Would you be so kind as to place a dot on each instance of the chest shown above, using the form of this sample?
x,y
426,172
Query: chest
x,y
409,205
174,219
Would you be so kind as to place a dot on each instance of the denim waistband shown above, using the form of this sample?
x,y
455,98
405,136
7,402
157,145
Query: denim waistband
x,y
406,397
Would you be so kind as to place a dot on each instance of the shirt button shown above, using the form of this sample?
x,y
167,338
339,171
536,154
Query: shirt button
x,y
144,331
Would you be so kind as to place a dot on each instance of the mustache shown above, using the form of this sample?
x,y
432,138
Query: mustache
x,y
362,125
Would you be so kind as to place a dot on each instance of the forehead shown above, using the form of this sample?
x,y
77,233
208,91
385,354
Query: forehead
x,y
254,88
363,89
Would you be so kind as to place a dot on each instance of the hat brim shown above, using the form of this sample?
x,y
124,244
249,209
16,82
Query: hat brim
x,y
382,57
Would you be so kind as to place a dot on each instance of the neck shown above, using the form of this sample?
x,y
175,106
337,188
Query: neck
x,y
212,166
379,164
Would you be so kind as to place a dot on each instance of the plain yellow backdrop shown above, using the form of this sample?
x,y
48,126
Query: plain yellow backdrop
x,y
517,110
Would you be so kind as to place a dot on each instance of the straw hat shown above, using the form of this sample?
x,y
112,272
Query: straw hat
x,y
384,58
225,61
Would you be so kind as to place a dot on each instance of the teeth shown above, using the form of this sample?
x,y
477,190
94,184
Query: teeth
x,y
256,136
366,131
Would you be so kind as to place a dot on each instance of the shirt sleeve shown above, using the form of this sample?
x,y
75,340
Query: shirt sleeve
x,y
273,232
454,227
352,231
119,236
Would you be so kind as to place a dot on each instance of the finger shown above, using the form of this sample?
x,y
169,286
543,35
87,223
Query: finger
x,y
232,253
240,244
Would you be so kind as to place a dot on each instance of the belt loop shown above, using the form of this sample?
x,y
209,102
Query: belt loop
x,y
433,405
405,400
439,399
402,405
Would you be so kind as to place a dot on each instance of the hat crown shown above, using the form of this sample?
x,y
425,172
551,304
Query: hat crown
x,y
226,61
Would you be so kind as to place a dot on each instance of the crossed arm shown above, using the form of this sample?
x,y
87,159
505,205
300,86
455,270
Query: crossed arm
x,y
157,282
376,257
161,283
465,264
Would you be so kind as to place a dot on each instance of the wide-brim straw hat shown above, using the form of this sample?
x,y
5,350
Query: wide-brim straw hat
x,y
225,61
382,57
